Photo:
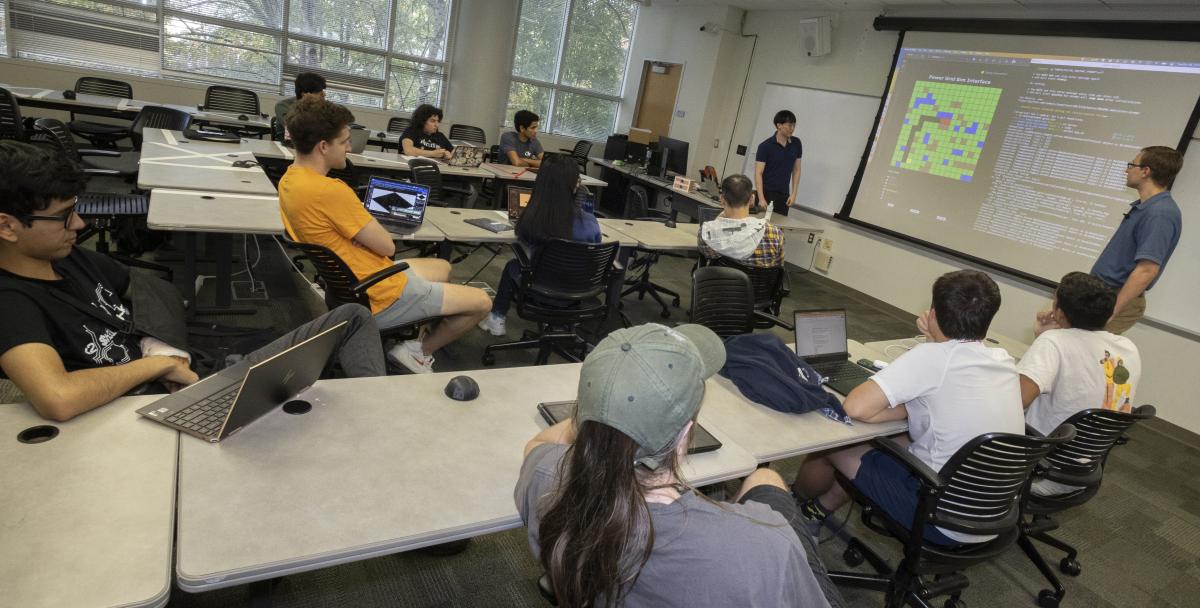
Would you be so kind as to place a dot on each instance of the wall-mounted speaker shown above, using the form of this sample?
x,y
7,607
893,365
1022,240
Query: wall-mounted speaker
x,y
816,36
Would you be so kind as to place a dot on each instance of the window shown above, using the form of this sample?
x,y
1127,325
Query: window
x,y
3,29
376,53
569,64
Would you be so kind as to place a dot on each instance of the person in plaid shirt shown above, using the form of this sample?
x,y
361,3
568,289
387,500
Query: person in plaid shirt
x,y
735,234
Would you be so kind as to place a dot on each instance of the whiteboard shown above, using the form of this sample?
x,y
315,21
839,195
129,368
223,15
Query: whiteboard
x,y
833,128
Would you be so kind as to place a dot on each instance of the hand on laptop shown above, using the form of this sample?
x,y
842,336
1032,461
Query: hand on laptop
x,y
446,154
179,375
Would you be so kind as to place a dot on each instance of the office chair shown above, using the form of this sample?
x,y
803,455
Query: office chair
x,y
276,129
638,277
397,125
11,124
427,173
470,134
580,153
218,98
125,163
978,491
1080,463
560,289
101,134
723,301
770,288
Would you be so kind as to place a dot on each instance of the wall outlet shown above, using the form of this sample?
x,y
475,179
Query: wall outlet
x,y
823,261
741,150
717,142
827,245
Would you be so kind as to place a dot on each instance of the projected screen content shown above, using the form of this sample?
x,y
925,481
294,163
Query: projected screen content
x,y
399,200
1019,157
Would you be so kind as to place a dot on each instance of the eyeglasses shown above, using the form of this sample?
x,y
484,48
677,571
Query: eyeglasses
x,y
1132,165
65,218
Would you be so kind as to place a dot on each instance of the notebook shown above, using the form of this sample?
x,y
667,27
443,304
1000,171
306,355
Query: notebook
x,y
518,199
224,403
821,341
490,224
399,206
701,441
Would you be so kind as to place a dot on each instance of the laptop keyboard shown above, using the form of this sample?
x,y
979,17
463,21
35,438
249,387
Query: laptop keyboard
x,y
207,415
841,371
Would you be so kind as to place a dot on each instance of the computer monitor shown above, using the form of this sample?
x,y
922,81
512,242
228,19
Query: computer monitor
x,y
677,154
635,154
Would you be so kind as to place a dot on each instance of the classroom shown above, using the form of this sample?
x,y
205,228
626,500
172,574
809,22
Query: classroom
x,y
336,218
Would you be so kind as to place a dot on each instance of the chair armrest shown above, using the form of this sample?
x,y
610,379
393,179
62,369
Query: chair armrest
x,y
521,255
910,462
94,152
370,281
774,319
1032,432
95,171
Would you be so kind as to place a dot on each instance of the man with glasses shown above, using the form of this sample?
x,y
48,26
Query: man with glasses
x,y
1140,248
66,334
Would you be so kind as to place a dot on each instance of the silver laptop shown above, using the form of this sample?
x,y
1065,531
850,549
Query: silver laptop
x,y
821,341
399,206
358,140
223,403
466,156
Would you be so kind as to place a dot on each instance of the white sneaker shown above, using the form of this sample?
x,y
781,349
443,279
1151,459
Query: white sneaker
x,y
493,324
410,355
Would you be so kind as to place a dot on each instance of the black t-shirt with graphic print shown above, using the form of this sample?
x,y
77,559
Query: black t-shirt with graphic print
x,y
30,312
426,141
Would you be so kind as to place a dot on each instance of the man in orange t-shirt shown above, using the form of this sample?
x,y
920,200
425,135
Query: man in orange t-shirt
x,y
325,211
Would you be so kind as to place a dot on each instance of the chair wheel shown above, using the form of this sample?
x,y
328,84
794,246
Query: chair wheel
x,y
954,603
1047,599
1069,566
853,557
666,314
489,359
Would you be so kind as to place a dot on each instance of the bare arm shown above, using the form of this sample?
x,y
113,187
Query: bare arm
x,y
758,182
563,432
1136,284
515,160
1029,391
376,238
795,183
412,150
868,403
60,395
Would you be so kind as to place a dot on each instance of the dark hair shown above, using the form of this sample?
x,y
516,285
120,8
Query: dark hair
x,y
965,302
423,113
31,178
552,208
737,189
784,116
308,82
596,534
1086,301
1164,164
314,120
524,118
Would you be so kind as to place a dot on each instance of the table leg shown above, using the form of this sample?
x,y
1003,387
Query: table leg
x,y
617,282
222,250
189,271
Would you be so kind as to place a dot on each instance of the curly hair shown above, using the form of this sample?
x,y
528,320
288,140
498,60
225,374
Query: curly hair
x,y
423,113
1086,301
32,177
314,120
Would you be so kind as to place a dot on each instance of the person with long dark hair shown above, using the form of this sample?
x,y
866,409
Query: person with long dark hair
x,y
422,137
558,208
609,515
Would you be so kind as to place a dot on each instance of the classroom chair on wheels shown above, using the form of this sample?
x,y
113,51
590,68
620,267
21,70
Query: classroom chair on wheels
x,y
722,300
1078,463
580,153
396,125
470,134
638,271
12,125
235,100
560,289
427,173
97,133
770,288
978,491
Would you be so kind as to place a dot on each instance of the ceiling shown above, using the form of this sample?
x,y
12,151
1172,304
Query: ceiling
x,y
760,5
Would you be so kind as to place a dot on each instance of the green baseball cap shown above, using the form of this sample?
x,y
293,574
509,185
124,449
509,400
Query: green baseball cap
x,y
647,382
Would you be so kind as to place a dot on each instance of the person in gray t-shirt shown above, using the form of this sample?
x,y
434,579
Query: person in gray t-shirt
x,y
604,503
521,148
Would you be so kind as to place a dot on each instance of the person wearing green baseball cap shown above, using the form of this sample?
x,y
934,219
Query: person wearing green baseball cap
x,y
607,510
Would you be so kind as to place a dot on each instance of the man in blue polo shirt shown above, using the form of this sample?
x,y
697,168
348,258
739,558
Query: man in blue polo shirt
x,y
1138,251
777,165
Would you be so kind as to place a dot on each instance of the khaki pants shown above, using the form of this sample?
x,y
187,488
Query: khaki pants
x,y
1127,317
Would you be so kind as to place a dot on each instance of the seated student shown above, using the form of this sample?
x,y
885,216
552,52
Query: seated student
x,y
1074,364
422,137
521,147
952,389
308,84
325,211
735,234
558,208
611,519
68,358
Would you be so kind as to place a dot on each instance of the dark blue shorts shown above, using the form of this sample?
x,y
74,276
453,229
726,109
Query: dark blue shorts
x,y
889,484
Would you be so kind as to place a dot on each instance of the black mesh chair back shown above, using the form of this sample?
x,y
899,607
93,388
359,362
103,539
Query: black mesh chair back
x,y
723,301
276,129
57,134
470,134
158,117
1080,462
707,213
571,270
231,99
767,282
11,126
398,124
339,280
427,173
92,85
637,202
581,150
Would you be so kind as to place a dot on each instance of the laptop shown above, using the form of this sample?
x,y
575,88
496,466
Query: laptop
x,y
466,156
493,225
518,199
821,340
701,441
358,140
399,206
224,403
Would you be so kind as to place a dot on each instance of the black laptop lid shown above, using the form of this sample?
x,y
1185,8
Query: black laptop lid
x,y
396,201
821,334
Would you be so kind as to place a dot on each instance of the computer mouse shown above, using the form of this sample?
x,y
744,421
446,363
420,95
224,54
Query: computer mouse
x,y
456,213
669,223
462,388
243,117
68,94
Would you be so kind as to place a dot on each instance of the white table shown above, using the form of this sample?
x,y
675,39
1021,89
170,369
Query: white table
x,y
891,349
521,174
170,160
87,518
451,221
379,466
265,148
103,105
399,162
656,236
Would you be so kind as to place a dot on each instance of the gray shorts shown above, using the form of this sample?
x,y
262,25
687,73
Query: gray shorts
x,y
420,299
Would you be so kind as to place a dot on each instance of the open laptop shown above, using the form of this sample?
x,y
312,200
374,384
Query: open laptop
x,y
358,140
821,341
223,403
466,156
518,199
702,440
399,206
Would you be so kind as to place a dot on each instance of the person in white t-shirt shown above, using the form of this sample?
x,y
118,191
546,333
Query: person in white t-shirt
x,y
951,389
1074,364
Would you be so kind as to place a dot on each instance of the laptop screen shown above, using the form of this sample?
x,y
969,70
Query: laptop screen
x,y
518,199
396,200
820,332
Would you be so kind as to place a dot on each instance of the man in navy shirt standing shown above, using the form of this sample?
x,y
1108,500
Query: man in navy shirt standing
x,y
777,165
1140,248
